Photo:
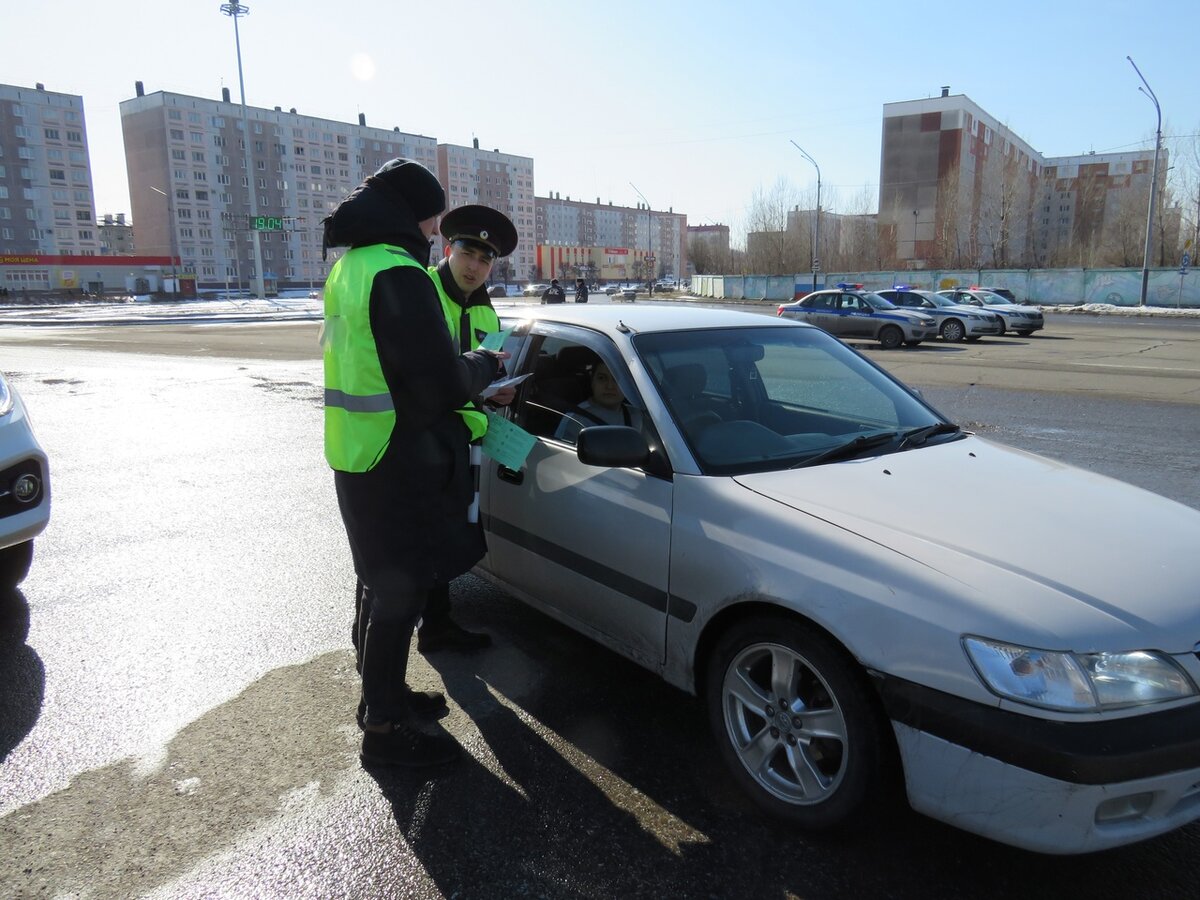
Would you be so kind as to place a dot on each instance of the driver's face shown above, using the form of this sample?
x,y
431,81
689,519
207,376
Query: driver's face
x,y
605,390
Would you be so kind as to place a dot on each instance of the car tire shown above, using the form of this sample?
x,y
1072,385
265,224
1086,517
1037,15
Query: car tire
x,y
816,757
953,331
1003,329
890,337
14,564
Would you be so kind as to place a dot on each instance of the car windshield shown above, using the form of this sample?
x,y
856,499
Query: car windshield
x,y
937,299
993,299
762,399
877,302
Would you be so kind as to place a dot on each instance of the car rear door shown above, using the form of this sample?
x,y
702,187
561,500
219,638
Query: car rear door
x,y
588,545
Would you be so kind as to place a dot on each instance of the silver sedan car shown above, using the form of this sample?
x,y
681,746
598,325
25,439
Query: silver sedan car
x,y
956,321
1016,317
847,311
762,532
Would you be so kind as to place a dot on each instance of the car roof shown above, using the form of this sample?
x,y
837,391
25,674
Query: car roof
x,y
644,317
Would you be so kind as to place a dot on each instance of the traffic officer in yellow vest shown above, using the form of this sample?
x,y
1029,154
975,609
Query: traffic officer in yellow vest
x,y
475,237
394,381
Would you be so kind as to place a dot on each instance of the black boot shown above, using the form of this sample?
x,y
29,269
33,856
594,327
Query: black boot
x,y
425,705
406,744
446,634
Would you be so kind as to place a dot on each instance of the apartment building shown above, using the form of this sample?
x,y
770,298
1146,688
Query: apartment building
x,y
959,188
617,242
1093,210
499,180
193,162
47,207
116,235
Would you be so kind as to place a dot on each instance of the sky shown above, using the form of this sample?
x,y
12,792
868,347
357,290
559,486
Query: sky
x,y
693,104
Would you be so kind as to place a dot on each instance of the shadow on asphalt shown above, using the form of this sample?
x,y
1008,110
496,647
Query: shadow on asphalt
x,y
22,675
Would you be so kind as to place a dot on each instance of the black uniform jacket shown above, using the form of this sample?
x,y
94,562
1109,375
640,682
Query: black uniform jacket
x,y
405,516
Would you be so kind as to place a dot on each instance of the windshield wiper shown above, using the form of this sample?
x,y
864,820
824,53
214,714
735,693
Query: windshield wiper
x,y
851,448
918,436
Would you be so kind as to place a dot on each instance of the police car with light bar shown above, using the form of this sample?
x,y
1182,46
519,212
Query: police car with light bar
x,y
848,311
956,322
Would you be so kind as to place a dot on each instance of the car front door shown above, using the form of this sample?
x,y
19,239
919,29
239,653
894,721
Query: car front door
x,y
588,545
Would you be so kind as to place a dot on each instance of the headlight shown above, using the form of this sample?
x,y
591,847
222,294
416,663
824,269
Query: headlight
x,y
6,400
1077,682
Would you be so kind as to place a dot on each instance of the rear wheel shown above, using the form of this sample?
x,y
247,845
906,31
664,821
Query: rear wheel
x,y
890,337
1001,332
953,331
797,723
14,564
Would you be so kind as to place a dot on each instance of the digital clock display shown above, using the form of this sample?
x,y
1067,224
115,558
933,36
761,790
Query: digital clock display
x,y
266,223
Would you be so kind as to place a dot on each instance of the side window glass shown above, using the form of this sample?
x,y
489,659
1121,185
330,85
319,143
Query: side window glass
x,y
574,387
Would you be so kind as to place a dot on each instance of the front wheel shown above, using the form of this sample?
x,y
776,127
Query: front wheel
x,y
890,337
953,331
14,564
796,722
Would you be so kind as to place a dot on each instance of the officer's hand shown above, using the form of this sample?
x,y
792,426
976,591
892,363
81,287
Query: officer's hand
x,y
504,396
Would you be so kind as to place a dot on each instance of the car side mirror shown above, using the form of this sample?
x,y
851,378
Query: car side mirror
x,y
612,446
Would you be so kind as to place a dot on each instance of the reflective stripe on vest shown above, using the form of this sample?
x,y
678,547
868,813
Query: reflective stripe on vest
x,y
478,318
359,415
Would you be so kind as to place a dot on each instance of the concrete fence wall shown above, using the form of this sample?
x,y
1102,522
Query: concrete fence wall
x,y
1045,287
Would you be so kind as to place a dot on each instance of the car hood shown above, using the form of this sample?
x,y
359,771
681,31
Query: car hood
x,y
1051,549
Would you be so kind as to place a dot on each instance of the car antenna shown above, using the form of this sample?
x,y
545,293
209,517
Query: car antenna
x,y
622,327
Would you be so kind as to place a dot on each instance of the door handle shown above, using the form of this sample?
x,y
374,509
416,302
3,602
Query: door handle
x,y
510,475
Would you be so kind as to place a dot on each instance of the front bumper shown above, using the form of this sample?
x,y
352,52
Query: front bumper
x,y
919,332
1046,785
975,327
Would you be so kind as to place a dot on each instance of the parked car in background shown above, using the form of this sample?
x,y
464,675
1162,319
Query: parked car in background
x,y
848,311
534,290
1023,320
770,532
24,488
1002,291
625,293
611,289
956,322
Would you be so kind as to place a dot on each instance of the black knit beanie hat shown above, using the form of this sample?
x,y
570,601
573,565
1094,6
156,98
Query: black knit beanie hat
x,y
413,184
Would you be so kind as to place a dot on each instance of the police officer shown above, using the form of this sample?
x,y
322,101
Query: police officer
x,y
475,237
554,293
394,381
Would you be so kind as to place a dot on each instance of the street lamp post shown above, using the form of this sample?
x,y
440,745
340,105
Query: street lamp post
x,y
816,254
649,239
171,239
234,10
1153,180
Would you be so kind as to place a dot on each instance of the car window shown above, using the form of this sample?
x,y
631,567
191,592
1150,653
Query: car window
x,y
557,401
751,399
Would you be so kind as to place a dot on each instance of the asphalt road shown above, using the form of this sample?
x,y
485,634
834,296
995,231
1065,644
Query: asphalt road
x,y
177,688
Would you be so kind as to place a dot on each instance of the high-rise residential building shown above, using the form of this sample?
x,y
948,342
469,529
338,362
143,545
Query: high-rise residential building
x,y
959,189
116,235
617,242
192,163
1093,210
499,180
46,202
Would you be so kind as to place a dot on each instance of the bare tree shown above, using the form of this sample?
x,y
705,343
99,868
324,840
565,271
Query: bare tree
x,y
770,248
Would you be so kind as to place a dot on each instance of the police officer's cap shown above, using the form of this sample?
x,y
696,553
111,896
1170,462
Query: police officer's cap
x,y
481,225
